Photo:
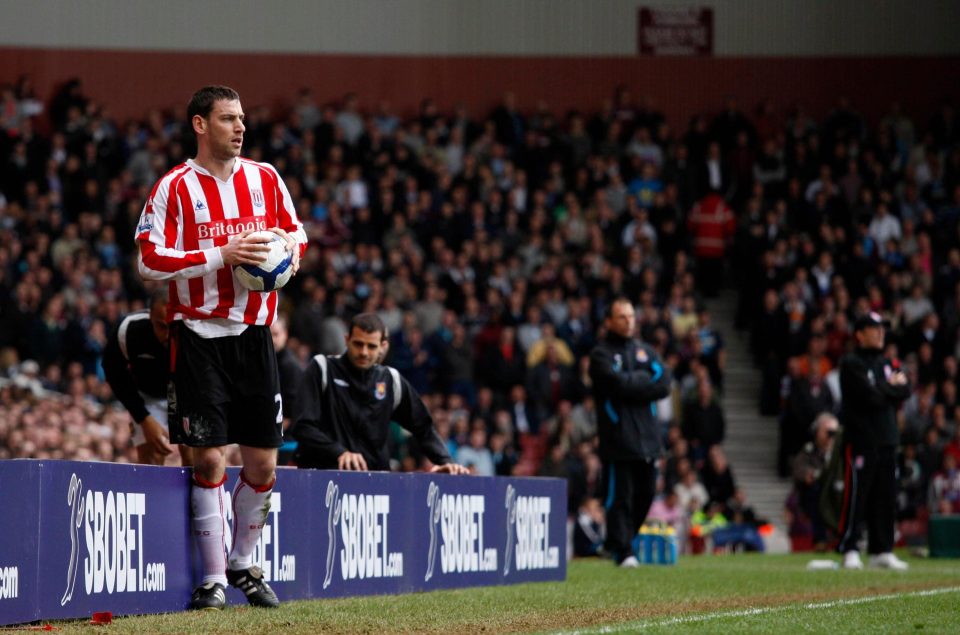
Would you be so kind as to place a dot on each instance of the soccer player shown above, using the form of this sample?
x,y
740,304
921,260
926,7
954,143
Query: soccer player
x,y
197,224
136,363
348,402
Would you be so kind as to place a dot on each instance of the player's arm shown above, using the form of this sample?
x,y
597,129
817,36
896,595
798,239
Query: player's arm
x,y
116,368
412,415
288,225
309,428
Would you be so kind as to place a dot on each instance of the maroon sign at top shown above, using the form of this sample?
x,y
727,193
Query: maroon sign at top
x,y
675,31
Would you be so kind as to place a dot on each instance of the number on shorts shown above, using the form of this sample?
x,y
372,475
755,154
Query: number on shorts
x,y
277,398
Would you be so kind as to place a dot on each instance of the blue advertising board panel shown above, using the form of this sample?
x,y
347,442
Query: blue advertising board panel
x,y
364,533
112,538
535,517
106,537
20,528
487,531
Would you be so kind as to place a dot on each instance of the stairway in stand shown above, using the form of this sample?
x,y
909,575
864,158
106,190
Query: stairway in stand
x,y
751,439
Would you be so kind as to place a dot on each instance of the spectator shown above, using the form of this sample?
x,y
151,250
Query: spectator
x,y
590,530
808,466
944,497
712,226
704,425
476,457
718,478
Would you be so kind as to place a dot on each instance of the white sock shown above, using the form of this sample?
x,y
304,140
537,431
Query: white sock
x,y
209,527
251,504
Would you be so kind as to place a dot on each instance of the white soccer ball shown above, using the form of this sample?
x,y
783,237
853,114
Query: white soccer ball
x,y
275,270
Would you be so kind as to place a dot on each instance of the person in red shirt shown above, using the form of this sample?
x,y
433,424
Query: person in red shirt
x,y
200,220
712,226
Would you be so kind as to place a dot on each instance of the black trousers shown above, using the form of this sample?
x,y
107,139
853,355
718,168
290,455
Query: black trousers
x,y
630,487
869,499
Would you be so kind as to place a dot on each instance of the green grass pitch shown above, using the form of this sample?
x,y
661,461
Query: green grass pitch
x,y
707,594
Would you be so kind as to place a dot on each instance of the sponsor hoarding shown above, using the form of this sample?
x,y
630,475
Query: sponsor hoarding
x,y
107,537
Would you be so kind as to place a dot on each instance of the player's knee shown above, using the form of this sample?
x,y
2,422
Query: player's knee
x,y
209,464
260,474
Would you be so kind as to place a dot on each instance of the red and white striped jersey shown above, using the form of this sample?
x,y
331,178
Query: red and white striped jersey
x,y
189,215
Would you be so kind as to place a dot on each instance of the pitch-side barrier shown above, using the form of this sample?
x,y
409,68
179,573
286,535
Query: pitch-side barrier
x,y
78,538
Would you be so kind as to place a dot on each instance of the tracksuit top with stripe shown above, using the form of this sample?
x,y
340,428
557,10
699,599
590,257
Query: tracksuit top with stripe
x,y
869,406
188,216
136,364
344,408
628,379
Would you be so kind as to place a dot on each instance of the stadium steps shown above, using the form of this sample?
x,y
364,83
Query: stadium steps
x,y
751,439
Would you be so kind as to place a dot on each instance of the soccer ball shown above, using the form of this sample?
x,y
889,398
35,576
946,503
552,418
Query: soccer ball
x,y
275,270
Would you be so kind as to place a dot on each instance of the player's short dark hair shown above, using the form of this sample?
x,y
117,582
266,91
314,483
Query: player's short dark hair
x,y
369,323
203,100
160,296
620,299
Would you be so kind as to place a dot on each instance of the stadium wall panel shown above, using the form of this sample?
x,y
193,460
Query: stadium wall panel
x,y
130,83
90,537
467,27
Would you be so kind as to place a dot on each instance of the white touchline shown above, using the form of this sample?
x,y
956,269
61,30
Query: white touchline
x,y
706,617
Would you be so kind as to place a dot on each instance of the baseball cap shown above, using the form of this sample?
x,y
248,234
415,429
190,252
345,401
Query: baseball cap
x,y
867,320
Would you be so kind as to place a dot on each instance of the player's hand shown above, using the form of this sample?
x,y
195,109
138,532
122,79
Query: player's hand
x,y
898,378
351,461
244,249
155,436
450,468
292,247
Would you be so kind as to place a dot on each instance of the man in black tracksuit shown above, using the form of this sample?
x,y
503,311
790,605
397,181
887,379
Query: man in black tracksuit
x,y
628,378
136,363
871,387
348,401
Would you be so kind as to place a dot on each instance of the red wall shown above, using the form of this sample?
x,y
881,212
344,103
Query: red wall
x,y
132,82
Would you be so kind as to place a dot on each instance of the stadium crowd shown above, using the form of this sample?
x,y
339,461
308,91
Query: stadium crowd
x,y
490,245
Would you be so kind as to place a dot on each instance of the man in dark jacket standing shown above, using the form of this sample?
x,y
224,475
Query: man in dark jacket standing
x,y
348,401
628,379
872,387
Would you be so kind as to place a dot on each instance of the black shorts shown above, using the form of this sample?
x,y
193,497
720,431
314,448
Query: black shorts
x,y
224,390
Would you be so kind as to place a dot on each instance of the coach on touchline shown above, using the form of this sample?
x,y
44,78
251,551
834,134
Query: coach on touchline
x,y
348,402
628,379
872,387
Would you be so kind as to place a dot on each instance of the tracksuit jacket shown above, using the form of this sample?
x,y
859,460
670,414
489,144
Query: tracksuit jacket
x,y
136,364
869,400
344,408
628,379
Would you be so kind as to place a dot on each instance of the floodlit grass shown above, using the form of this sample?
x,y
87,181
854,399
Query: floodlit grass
x,y
722,594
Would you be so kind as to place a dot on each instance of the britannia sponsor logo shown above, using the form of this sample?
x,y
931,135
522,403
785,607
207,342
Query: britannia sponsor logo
x,y
456,528
528,533
357,532
230,227
109,549
268,553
